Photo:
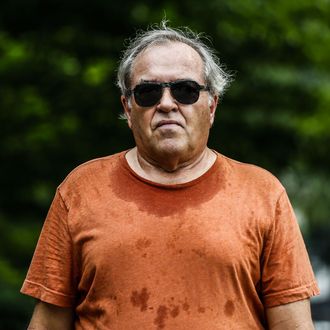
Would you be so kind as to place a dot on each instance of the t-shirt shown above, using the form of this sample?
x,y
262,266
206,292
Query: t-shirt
x,y
128,253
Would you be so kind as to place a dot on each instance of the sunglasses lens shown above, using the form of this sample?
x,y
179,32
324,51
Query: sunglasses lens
x,y
185,92
147,95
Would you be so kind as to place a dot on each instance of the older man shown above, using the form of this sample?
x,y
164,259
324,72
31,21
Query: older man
x,y
170,234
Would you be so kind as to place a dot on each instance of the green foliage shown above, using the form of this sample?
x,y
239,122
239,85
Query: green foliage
x,y
59,105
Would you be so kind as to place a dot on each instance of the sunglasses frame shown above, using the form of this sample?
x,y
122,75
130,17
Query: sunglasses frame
x,y
163,85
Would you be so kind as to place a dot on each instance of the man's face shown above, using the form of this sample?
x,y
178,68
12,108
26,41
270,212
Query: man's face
x,y
169,128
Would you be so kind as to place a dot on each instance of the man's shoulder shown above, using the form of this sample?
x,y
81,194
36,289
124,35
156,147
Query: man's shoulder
x,y
252,175
92,170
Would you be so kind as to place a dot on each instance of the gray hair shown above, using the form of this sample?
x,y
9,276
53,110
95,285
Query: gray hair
x,y
215,76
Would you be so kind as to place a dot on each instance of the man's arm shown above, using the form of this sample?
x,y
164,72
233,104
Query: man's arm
x,y
51,317
295,315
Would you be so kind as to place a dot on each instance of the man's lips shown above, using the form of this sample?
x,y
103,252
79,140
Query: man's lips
x,y
168,122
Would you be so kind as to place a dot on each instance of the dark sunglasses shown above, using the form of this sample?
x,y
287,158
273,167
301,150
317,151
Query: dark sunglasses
x,y
148,94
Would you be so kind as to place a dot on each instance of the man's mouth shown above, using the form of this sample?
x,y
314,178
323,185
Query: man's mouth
x,y
168,123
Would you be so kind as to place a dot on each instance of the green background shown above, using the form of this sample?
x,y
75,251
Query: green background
x,y
59,106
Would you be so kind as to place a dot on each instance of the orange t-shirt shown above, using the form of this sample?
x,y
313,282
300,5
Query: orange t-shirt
x,y
128,253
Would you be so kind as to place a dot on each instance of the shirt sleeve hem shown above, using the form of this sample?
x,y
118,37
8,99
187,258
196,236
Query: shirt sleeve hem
x,y
47,295
291,295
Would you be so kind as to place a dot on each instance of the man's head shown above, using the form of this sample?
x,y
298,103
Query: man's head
x,y
215,77
170,84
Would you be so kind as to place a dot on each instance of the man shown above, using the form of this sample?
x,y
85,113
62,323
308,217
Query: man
x,y
170,234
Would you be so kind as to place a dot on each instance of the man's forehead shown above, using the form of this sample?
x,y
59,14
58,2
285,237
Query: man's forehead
x,y
173,48
169,57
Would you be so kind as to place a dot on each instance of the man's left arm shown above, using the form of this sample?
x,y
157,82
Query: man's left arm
x,y
296,315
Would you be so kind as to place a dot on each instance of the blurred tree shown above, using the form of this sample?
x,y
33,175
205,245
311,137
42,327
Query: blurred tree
x,y
59,104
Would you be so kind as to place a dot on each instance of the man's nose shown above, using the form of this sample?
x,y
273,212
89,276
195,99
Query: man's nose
x,y
167,102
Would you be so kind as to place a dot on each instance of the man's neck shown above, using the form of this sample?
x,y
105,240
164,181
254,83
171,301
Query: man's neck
x,y
173,172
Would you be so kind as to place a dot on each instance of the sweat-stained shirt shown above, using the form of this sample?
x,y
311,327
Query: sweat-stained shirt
x,y
127,253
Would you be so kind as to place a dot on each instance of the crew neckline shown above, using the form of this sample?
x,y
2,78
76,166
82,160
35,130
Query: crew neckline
x,y
193,182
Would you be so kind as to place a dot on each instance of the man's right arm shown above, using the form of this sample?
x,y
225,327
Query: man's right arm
x,y
51,317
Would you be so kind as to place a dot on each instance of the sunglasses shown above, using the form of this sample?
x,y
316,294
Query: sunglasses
x,y
148,94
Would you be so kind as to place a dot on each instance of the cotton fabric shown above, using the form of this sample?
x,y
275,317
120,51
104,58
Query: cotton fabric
x,y
128,253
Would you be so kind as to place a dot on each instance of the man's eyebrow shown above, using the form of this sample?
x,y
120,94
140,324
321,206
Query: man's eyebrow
x,y
147,81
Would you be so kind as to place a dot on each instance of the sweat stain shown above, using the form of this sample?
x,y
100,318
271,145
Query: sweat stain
x,y
175,311
199,253
142,243
229,308
146,195
201,310
161,316
140,299
185,307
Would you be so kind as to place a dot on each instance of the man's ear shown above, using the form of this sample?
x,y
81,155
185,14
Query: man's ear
x,y
127,109
213,103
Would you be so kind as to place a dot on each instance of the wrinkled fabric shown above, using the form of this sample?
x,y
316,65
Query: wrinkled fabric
x,y
128,253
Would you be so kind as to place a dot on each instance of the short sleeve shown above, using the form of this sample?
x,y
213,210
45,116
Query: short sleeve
x,y
50,277
287,275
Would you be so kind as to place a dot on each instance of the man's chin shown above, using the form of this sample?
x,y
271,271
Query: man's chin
x,y
170,146
169,132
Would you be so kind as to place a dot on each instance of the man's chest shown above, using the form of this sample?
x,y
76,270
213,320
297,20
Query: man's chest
x,y
214,236
194,260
